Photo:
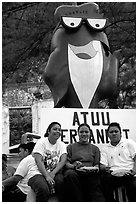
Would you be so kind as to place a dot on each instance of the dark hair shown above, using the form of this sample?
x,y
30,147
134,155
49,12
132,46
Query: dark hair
x,y
49,128
4,157
23,146
114,124
29,146
84,124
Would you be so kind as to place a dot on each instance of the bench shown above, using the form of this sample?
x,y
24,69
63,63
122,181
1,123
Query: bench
x,y
119,194
32,198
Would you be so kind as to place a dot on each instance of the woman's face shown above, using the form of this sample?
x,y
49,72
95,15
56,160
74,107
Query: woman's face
x,y
84,134
55,132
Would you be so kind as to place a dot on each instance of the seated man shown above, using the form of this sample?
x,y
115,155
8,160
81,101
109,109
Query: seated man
x,y
15,188
7,171
118,164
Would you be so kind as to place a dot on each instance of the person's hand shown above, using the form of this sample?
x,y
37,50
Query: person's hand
x,y
52,175
50,180
132,172
107,169
96,169
78,164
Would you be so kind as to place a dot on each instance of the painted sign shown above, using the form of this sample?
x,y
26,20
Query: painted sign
x,y
98,119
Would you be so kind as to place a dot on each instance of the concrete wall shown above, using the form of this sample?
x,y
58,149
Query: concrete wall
x,y
36,114
5,130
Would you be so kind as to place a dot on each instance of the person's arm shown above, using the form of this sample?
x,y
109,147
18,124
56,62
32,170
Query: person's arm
x,y
61,163
19,174
104,168
62,160
69,164
13,180
10,170
5,175
97,157
133,171
104,165
132,150
41,167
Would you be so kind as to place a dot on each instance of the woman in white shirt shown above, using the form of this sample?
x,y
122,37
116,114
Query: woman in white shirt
x,y
50,157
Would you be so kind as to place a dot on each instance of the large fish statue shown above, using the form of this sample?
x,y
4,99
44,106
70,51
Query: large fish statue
x,y
81,71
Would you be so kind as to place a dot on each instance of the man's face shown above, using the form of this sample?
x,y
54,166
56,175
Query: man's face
x,y
22,153
114,135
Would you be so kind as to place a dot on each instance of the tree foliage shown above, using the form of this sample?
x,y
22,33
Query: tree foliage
x,y
27,30
20,123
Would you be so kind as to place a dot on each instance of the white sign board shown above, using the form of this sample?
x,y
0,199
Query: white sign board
x,y
98,119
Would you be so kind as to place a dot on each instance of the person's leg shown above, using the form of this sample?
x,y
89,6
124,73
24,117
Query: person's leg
x,y
19,196
107,186
60,187
13,195
40,187
130,184
73,186
93,187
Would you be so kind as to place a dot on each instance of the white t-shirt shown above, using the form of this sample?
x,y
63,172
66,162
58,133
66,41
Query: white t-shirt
x,y
120,156
51,153
27,168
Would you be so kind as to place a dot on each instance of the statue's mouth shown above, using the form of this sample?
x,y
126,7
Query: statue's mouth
x,y
87,51
85,68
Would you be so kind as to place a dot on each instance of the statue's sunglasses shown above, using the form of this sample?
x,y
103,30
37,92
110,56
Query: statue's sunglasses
x,y
71,22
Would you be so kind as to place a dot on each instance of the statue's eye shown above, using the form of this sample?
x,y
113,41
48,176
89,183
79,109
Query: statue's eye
x,y
71,22
97,24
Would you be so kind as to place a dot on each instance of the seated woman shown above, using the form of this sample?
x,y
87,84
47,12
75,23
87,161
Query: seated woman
x,y
50,157
81,177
